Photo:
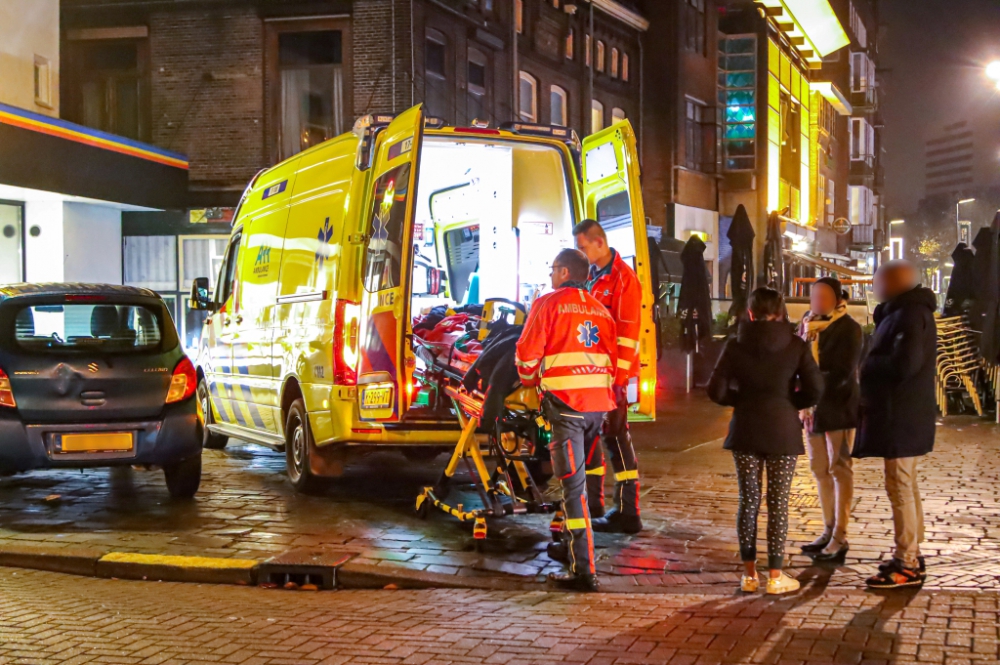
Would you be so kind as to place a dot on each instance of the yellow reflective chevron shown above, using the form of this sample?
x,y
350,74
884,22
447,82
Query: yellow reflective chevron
x,y
577,523
627,475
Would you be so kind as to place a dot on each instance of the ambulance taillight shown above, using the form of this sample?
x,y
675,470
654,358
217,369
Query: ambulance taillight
x,y
347,321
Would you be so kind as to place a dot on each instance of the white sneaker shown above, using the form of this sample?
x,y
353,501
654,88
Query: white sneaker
x,y
782,584
749,584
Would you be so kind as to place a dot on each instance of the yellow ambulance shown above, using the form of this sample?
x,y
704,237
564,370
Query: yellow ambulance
x,y
308,346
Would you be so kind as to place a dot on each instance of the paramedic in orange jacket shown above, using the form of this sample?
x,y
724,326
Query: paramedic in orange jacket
x,y
615,285
567,349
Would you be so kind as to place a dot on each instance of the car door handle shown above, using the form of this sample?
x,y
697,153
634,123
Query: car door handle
x,y
226,321
239,319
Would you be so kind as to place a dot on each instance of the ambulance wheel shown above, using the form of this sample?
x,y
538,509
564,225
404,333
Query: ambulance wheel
x,y
298,449
209,440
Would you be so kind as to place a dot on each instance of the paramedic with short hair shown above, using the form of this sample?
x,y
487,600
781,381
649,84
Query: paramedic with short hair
x,y
567,350
615,285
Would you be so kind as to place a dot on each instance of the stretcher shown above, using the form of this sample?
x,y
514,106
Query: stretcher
x,y
516,444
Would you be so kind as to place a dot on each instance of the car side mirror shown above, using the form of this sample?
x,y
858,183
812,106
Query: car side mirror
x,y
201,300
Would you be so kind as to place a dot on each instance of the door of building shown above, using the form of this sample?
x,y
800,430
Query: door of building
x,y
11,242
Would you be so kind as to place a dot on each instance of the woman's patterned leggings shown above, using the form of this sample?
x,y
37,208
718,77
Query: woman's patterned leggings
x,y
749,472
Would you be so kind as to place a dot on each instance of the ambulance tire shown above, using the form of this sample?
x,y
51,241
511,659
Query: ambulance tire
x,y
209,440
298,449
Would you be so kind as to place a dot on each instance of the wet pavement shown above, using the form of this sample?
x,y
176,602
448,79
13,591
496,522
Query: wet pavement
x,y
246,509
51,619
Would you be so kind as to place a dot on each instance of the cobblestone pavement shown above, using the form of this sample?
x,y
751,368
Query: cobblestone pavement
x,y
50,619
246,509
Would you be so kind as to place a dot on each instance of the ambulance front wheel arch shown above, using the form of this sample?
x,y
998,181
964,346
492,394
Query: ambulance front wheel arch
x,y
299,449
208,440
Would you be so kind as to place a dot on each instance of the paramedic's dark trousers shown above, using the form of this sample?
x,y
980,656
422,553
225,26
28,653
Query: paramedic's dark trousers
x,y
571,430
618,440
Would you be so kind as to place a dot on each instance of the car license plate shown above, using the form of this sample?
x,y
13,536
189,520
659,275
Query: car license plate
x,y
377,397
96,442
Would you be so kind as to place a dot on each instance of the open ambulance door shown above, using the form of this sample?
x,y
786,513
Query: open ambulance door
x,y
383,374
613,196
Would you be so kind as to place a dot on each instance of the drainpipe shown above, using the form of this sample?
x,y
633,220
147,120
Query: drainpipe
x,y
394,37
642,108
515,102
413,60
589,115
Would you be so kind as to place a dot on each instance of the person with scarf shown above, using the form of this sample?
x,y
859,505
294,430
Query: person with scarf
x,y
836,342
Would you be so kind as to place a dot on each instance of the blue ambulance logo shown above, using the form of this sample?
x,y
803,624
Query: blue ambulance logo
x,y
324,236
589,334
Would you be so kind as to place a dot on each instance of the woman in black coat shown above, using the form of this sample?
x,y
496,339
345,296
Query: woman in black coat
x,y
769,375
836,341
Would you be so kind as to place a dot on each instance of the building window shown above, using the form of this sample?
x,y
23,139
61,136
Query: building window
x,y
738,99
831,201
600,56
617,114
555,3
569,44
437,86
625,70
862,206
596,116
862,141
587,55
614,63
862,72
519,15
558,101
694,25
109,86
528,106
476,86
858,28
311,75
43,82
699,137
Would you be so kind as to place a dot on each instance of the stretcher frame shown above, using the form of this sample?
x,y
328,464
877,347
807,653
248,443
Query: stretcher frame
x,y
510,489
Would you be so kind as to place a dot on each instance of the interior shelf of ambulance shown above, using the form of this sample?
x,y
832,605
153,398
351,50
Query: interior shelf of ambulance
x,y
490,217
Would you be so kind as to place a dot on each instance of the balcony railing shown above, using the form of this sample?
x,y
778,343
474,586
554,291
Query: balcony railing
x,y
864,101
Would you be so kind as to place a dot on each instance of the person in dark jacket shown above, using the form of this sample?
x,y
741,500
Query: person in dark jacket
x,y
769,375
836,341
898,410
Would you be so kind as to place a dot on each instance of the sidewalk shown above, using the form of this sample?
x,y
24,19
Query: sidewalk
x,y
246,510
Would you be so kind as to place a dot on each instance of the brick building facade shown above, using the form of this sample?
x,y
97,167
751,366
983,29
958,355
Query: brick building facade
x,y
207,77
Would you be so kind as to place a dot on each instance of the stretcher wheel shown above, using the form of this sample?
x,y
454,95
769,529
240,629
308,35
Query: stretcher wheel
x,y
423,507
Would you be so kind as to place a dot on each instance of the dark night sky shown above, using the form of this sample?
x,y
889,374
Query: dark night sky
x,y
934,52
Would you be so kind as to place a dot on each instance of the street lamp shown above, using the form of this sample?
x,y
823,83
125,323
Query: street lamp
x,y
958,223
993,71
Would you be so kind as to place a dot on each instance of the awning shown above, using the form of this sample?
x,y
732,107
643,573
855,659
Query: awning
x,y
812,21
832,94
830,266
42,153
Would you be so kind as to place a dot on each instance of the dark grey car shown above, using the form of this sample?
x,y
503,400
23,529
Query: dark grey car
x,y
94,375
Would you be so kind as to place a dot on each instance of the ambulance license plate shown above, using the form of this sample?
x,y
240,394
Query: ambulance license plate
x,y
94,443
377,397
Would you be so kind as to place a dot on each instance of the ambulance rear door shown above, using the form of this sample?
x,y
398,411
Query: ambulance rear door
x,y
385,303
612,195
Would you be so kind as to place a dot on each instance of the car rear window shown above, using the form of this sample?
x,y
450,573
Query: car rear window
x,y
91,327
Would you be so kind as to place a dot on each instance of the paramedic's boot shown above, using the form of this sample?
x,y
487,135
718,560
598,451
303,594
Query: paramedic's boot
x,y
558,552
572,582
617,522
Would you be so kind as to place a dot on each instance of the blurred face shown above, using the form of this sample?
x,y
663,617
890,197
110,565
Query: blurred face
x,y
822,299
595,249
891,281
560,275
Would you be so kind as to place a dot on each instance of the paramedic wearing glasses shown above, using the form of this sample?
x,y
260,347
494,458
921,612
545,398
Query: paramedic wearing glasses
x,y
567,350
615,285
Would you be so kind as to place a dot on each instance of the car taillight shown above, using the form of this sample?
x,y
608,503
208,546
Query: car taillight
x,y
183,383
6,394
347,321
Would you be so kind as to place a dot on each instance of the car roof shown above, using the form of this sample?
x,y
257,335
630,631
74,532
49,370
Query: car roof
x,y
8,291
